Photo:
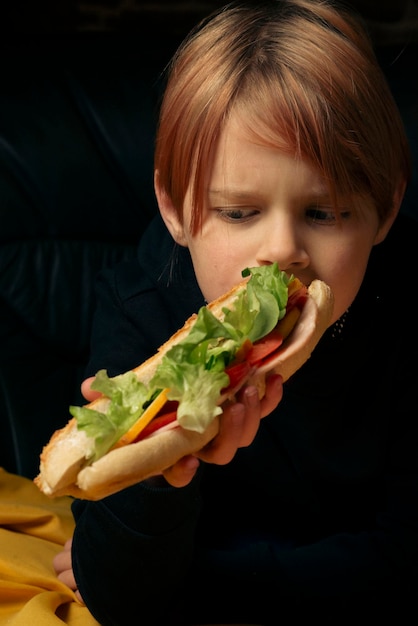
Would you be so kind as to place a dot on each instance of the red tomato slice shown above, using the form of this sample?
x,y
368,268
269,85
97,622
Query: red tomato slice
x,y
236,373
262,348
156,423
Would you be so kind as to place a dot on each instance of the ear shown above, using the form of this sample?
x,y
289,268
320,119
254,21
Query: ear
x,y
169,212
386,225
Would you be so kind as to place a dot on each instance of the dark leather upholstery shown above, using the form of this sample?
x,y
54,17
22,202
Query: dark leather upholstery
x,y
77,120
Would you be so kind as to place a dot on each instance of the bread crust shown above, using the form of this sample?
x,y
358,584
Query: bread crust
x,y
64,463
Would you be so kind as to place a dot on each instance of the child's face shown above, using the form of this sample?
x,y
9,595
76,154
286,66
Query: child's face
x,y
265,206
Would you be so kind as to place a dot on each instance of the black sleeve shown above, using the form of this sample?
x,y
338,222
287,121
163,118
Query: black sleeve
x,y
131,552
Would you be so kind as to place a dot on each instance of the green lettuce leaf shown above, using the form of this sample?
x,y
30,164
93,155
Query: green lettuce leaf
x,y
196,388
128,398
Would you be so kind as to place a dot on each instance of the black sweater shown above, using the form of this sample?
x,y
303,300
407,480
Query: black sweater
x,y
319,516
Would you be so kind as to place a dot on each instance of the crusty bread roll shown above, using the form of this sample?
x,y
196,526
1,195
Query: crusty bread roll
x,y
64,463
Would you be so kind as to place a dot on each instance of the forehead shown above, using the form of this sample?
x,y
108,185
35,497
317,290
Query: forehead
x,y
245,164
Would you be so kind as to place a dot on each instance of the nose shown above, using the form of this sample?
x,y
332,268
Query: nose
x,y
283,242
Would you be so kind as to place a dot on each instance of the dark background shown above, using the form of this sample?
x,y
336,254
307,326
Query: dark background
x,y
390,20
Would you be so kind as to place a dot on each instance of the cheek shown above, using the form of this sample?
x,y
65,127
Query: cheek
x,y
217,265
216,275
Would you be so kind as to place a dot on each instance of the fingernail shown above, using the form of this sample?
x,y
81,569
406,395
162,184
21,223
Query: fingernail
x,y
192,463
251,395
237,413
277,380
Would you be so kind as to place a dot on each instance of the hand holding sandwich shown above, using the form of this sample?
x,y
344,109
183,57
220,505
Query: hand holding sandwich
x,y
238,427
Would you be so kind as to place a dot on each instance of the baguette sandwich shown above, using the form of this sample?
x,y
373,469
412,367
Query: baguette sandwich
x,y
169,406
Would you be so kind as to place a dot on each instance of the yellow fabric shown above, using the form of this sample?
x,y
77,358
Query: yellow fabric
x,y
33,528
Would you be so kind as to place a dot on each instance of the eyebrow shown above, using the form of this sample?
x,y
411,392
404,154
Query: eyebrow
x,y
319,192
230,192
237,194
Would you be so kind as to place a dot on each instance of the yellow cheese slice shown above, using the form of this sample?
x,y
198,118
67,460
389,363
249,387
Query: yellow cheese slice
x,y
293,286
149,413
287,324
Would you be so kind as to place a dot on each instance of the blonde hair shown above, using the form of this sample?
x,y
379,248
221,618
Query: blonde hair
x,y
305,75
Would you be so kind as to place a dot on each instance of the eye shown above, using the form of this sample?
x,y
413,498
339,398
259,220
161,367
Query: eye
x,y
326,216
237,214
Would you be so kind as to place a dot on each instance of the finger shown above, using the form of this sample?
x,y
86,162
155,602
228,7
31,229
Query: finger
x,y
182,472
79,598
62,560
63,568
86,390
255,409
67,577
252,405
223,447
273,394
